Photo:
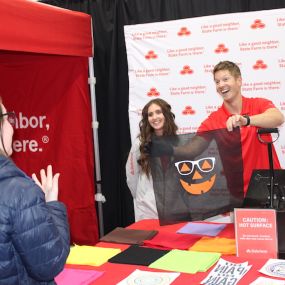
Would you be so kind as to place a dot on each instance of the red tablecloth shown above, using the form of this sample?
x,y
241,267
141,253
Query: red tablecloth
x,y
114,273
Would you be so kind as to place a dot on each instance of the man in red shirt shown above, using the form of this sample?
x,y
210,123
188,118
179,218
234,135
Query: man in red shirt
x,y
238,111
249,114
233,127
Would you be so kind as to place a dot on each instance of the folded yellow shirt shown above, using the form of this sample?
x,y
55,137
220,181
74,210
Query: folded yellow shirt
x,y
216,244
90,255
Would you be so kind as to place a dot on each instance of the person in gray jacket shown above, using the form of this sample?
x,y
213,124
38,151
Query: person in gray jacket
x,y
34,231
157,121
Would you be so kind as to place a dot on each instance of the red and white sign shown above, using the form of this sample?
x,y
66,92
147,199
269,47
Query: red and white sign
x,y
256,233
44,79
51,101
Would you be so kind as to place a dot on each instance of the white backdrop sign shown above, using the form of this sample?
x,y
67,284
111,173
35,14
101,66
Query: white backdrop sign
x,y
174,60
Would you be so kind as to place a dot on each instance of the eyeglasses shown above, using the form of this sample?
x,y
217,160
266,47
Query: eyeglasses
x,y
186,167
11,117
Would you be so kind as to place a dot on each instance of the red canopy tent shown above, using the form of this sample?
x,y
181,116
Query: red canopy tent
x,y
44,56
35,27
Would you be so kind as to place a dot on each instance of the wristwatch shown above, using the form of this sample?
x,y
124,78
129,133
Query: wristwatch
x,y
247,120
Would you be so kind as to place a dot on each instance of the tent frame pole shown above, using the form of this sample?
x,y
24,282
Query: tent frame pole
x,y
99,198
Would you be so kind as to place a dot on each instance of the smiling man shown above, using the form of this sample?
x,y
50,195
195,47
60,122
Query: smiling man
x,y
230,135
247,113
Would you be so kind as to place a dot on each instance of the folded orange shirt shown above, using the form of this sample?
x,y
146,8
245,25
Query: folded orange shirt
x,y
216,244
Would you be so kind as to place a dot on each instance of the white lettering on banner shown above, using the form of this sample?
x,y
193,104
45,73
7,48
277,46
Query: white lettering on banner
x,y
25,145
33,122
23,122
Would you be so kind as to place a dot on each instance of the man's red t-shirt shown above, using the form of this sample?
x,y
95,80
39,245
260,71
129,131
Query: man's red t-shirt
x,y
254,152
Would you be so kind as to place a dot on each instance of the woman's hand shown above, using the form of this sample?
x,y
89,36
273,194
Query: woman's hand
x,y
49,183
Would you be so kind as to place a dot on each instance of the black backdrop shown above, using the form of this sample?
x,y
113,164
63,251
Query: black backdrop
x,y
111,71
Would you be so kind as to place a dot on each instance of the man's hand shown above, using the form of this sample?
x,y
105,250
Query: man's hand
x,y
235,121
49,183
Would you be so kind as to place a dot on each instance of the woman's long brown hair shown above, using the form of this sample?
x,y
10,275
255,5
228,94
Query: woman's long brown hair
x,y
146,131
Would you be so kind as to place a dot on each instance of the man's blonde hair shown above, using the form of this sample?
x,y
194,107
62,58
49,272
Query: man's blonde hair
x,y
227,65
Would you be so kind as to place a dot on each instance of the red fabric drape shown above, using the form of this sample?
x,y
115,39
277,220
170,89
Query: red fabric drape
x,y
51,99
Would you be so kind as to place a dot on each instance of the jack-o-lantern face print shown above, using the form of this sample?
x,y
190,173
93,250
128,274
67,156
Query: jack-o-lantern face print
x,y
199,173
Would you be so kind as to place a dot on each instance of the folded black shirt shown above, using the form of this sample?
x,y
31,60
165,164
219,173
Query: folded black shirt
x,y
138,255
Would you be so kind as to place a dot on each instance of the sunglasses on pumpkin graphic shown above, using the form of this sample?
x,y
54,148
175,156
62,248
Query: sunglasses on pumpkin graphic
x,y
186,167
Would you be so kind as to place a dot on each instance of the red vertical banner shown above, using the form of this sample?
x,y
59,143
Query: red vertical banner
x,y
50,97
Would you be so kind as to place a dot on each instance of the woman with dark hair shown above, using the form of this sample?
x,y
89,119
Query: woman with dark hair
x,y
34,232
157,121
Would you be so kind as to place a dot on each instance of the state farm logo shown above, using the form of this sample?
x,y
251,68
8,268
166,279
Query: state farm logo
x,y
259,65
153,92
188,111
186,70
184,32
221,49
257,24
151,55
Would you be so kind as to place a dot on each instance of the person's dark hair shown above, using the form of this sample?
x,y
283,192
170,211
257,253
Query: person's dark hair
x,y
227,65
146,131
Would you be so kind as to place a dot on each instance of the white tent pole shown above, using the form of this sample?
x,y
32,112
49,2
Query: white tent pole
x,y
98,196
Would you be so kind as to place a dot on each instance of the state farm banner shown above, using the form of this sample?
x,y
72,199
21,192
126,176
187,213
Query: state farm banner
x,y
174,60
50,97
